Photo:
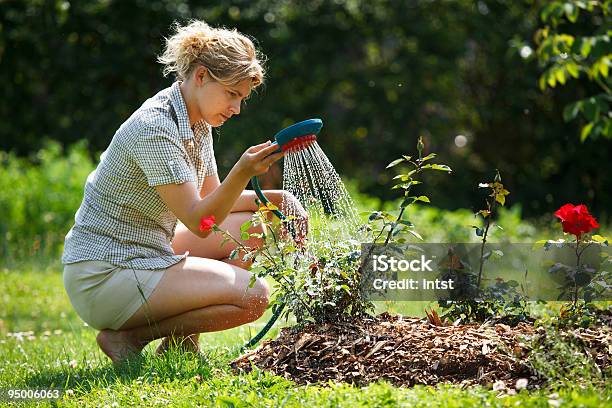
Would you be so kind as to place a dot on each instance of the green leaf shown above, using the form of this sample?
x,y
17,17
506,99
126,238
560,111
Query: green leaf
x,y
590,109
539,244
573,69
397,229
571,111
500,198
560,75
395,162
600,239
604,66
542,82
550,78
582,278
423,198
407,201
406,223
244,236
571,12
440,167
428,157
585,47
416,234
245,226
586,130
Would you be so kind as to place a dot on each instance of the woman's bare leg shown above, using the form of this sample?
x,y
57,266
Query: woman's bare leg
x,y
209,247
196,295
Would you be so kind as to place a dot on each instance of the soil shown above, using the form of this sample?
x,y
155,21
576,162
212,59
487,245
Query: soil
x,y
408,351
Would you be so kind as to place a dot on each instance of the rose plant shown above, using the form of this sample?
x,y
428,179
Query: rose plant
x,y
322,281
582,282
471,302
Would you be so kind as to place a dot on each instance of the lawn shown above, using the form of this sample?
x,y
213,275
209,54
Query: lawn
x,y
44,344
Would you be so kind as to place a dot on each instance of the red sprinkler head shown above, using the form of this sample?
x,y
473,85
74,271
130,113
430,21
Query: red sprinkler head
x,y
299,143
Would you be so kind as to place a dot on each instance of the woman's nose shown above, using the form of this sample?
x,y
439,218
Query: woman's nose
x,y
235,108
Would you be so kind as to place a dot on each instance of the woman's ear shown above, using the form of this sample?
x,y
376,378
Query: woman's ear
x,y
201,75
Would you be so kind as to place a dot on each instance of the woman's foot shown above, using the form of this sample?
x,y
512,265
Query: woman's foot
x,y
117,345
189,343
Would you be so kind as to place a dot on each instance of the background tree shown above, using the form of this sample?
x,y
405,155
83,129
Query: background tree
x,y
379,73
572,49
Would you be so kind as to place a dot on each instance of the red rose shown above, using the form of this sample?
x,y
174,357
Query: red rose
x,y
576,219
206,223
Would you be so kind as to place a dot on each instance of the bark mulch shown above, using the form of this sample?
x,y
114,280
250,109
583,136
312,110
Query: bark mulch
x,y
404,351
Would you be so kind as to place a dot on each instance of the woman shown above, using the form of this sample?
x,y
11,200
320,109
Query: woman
x,y
130,272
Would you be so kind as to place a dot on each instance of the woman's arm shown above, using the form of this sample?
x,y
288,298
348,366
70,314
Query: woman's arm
x,y
184,199
246,201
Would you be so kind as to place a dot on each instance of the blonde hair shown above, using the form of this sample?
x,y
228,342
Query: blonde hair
x,y
229,56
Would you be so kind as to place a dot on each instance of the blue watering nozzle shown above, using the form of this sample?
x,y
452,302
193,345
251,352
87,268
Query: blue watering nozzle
x,y
299,135
292,138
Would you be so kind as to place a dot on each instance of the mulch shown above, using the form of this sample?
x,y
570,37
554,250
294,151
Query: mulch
x,y
408,351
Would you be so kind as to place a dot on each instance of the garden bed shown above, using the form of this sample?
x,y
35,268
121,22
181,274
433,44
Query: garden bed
x,y
408,351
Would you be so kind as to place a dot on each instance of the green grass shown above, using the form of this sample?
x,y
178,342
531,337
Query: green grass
x,y
61,352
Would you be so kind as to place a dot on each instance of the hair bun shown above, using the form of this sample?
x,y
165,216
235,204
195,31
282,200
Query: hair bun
x,y
229,55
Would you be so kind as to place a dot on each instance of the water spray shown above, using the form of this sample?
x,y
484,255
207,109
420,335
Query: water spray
x,y
291,139
311,178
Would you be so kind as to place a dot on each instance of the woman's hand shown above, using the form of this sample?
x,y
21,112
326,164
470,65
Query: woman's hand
x,y
257,159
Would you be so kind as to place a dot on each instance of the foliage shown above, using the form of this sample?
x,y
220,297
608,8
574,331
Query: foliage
x,y
318,280
392,70
382,222
567,52
582,282
40,195
396,228
38,200
498,302
561,357
322,280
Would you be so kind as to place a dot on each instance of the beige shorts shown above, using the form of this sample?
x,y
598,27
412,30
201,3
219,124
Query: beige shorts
x,y
105,296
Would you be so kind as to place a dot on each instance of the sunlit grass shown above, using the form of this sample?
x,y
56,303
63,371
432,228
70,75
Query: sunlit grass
x,y
44,344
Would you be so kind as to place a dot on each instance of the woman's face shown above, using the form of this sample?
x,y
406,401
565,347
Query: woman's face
x,y
216,102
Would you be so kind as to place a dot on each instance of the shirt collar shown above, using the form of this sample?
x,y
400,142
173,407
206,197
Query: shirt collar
x,y
176,98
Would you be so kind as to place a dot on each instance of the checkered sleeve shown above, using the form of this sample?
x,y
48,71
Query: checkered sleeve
x,y
209,157
162,157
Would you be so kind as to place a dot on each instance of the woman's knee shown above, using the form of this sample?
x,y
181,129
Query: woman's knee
x,y
256,241
257,299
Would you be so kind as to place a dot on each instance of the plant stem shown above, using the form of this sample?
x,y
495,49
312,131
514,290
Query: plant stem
x,y
298,297
578,254
601,83
484,241
399,217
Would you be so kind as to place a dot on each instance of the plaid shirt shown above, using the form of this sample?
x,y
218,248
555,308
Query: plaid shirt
x,y
122,220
